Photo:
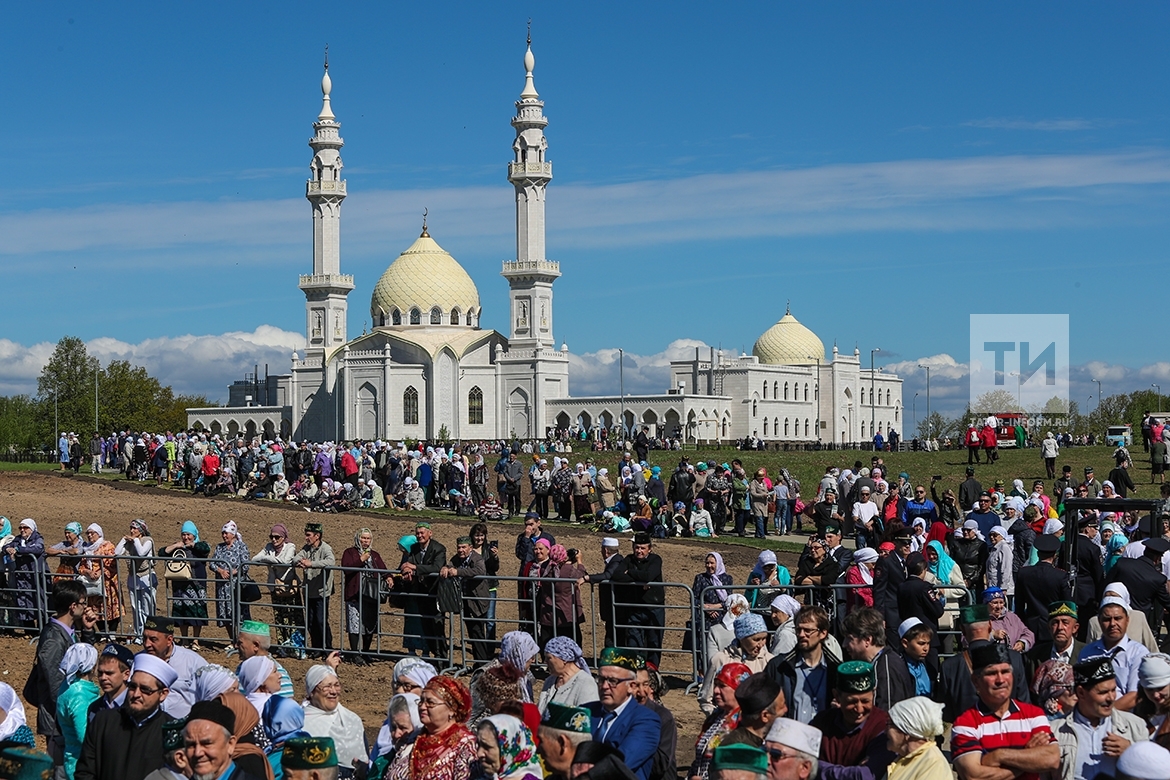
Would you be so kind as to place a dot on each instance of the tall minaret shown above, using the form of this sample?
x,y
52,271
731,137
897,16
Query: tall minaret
x,y
530,276
326,288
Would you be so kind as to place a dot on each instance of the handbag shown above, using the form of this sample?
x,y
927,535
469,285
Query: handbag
x,y
178,567
249,592
93,587
450,598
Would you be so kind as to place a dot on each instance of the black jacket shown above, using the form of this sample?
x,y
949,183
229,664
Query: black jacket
x,y
116,748
971,556
894,683
888,575
1090,575
969,493
1122,481
605,591
782,670
914,601
1146,584
631,576
44,681
1037,587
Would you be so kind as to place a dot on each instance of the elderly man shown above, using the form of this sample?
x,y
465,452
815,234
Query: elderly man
x,y
127,743
618,719
1001,737
1095,734
420,567
761,702
1125,653
208,743
955,689
739,762
792,749
1145,579
648,688
612,559
255,638
1063,625
309,758
635,588
158,639
562,729
471,569
807,675
317,585
853,745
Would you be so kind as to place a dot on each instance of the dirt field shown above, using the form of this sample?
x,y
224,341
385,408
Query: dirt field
x,y
54,500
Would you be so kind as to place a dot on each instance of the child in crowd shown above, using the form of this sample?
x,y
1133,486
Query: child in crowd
x,y
916,638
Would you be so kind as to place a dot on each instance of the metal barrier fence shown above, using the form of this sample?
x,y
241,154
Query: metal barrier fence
x,y
400,621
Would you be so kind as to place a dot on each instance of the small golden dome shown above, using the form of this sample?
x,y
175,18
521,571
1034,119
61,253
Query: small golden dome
x,y
425,277
788,343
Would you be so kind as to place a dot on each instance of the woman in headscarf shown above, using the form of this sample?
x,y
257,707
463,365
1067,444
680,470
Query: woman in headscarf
x,y
230,565
942,572
27,551
710,587
505,678
605,489
282,719
1114,547
914,724
411,675
859,576
259,680
750,648
77,693
722,719
819,570
14,730
569,682
68,552
138,546
189,596
999,561
277,556
1006,625
444,748
564,613
1053,689
397,734
722,633
363,588
770,575
1154,704
100,576
326,717
783,621
506,750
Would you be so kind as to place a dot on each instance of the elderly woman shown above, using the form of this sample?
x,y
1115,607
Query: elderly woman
x,y
702,524
1154,703
506,750
759,493
722,633
410,675
230,564
859,575
914,724
750,648
561,612
1006,626
277,556
78,692
506,678
710,589
569,682
999,561
364,574
325,716
189,595
1053,689
771,578
68,552
721,720
27,552
606,490
138,546
783,619
217,683
942,572
283,719
397,734
444,749
100,576
259,680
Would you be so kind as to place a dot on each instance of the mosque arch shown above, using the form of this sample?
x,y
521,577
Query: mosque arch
x,y
455,316
436,316
396,317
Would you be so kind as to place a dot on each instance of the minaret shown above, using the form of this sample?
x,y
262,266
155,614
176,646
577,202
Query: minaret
x,y
530,276
326,288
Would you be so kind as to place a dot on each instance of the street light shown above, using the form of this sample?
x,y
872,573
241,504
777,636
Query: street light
x,y
1098,381
872,384
916,414
817,390
1159,389
929,422
622,390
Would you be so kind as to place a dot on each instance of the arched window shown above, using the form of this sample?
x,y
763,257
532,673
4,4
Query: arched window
x,y
806,426
454,316
887,398
410,406
806,394
475,406
765,389
785,391
753,408
396,317
775,389
765,420
785,426
895,415
863,396
415,316
472,317
776,425
436,316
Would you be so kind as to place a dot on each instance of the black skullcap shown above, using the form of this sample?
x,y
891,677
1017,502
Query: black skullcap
x,y
756,693
591,752
984,654
214,712
1094,670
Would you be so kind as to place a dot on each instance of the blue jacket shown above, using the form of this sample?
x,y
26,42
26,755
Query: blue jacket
x,y
636,733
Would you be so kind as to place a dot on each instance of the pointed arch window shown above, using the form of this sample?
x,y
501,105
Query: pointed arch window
x,y
863,396
436,316
765,426
776,390
785,426
410,406
475,406
765,389
806,394
415,316
455,316
785,391
806,426
887,398
396,317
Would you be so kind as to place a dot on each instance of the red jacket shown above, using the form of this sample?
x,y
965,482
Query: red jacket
x,y
967,440
349,466
989,438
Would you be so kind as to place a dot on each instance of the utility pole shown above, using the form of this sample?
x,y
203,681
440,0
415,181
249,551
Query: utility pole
x,y
622,392
929,422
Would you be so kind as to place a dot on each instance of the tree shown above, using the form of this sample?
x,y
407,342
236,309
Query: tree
x,y
66,386
932,426
995,401
21,422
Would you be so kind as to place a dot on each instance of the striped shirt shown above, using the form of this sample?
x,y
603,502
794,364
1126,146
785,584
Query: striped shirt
x,y
977,729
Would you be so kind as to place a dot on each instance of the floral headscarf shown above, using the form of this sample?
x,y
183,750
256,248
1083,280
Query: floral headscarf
x,y
73,528
453,694
518,757
567,650
518,648
1052,679
558,554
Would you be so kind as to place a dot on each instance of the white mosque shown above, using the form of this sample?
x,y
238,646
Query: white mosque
x,y
427,368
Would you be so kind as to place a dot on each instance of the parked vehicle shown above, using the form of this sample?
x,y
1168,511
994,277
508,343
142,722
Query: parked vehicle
x,y
1119,435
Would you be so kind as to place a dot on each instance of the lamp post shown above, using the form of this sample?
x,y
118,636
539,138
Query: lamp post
x,y
1098,381
929,422
1159,389
872,401
916,414
622,390
817,390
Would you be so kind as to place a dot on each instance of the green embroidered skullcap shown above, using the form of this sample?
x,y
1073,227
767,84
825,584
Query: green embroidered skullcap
x,y
740,756
463,540
314,528
308,753
855,677
422,524
574,719
22,763
255,627
975,613
172,734
1062,609
612,656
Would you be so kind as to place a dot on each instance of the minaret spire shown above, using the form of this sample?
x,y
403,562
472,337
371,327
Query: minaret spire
x,y
326,88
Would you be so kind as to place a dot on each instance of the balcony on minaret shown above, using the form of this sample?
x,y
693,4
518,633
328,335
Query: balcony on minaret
x,y
537,268
326,282
325,188
529,170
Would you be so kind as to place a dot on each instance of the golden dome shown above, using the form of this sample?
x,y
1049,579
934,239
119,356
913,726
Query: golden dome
x,y
425,277
788,343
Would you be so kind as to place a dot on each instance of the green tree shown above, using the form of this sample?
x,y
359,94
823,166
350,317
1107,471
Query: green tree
x,y
932,426
996,401
21,423
66,387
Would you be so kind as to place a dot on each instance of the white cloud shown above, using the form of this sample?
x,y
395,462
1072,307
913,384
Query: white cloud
x,y
942,366
1045,125
597,373
204,364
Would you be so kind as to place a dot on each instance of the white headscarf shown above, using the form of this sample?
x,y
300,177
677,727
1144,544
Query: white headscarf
x,y
918,716
253,673
316,675
79,659
212,680
732,603
101,537
384,744
1053,526
416,670
14,707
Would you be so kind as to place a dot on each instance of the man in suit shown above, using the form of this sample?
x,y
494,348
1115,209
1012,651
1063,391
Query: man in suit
x,y
633,589
618,719
420,567
1090,574
470,568
918,598
888,576
612,559
1145,580
1040,585
1063,624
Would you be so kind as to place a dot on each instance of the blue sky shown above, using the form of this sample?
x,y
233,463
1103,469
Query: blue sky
x,y
891,169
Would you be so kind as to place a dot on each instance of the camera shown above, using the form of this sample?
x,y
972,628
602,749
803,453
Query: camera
x,y
495,544
937,477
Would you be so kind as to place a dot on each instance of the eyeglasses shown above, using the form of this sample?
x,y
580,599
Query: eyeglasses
x,y
807,630
133,686
776,754
612,682
403,686
427,702
276,537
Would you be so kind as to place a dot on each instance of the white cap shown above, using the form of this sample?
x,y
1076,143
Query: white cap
x,y
1144,761
156,668
609,541
908,624
796,735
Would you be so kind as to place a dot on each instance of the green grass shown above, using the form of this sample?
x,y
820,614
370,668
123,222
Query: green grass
x,y
29,466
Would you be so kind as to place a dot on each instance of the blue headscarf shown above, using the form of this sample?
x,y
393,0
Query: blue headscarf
x,y
945,564
6,527
283,719
189,528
